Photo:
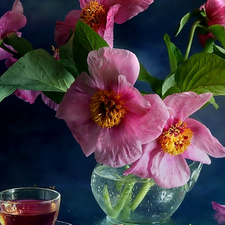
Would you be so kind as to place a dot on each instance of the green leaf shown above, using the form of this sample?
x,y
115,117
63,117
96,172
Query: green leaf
x,y
171,91
155,83
85,40
183,21
175,56
219,32
203,72
21,45
66,58
168,83
38,70
219,51
5,90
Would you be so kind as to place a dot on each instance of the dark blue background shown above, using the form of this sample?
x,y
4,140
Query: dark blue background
x,y
38,149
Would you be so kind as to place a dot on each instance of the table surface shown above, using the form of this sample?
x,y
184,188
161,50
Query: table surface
x,y
37,149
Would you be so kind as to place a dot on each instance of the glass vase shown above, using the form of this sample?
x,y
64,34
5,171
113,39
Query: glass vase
x,y
133,200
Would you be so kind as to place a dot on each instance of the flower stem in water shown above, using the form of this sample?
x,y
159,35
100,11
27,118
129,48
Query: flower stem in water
x,y
141,194
114,211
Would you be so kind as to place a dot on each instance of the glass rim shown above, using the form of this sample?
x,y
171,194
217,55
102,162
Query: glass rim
x,y
57,198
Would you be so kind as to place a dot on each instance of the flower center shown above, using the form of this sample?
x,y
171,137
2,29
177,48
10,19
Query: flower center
x,y
176,139
93,14
107,109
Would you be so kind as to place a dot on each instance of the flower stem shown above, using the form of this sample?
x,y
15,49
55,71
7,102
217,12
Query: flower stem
x,y
191,36
109,209
141,194
114,211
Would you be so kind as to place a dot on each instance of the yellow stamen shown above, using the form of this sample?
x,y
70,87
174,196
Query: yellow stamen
x,y
176,139
107,108
94,15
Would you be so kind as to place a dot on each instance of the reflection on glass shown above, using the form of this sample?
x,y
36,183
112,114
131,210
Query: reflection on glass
x,y
62,223
105,221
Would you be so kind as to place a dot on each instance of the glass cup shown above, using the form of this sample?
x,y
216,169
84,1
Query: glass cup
x,y
29,205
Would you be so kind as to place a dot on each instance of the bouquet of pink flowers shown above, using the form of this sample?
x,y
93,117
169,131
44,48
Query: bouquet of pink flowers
x,y
90,84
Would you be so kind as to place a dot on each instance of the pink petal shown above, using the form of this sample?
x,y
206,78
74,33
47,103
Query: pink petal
x,y
219,208
196,154
75,105
75,110
142,167
108,33
215,12
128,9
186,103
51,104
27,95
11,22
219,217
204,140
86,134
62,29
4,54
169,171
203,38
112,62
156,117
9,61
17,7
166,170
117,148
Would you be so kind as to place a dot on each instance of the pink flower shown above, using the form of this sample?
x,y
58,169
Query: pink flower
x,y
106,114
11,21
100,15
182,138
215,12
220,215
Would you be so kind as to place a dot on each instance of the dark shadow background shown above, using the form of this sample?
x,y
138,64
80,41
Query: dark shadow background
x,y
38,149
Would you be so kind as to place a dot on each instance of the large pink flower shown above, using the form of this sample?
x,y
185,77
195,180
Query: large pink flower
x,y
183,138
106,114
215,12
11,21
100,15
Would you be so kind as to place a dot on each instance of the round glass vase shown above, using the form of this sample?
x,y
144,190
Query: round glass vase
x,y
133,200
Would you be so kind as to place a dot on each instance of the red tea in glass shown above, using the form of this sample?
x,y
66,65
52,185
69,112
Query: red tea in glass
x,y
29,206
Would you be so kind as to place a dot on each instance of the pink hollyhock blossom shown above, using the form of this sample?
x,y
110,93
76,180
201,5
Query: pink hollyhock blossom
x,y
106,114
182,138
100,15
220,215
10,22
215,12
